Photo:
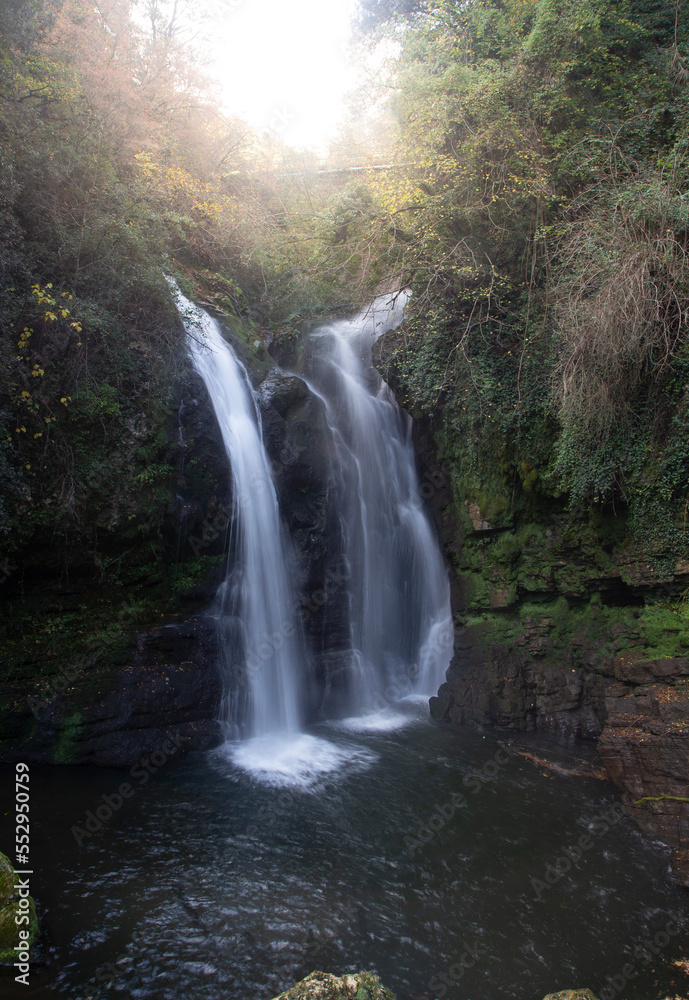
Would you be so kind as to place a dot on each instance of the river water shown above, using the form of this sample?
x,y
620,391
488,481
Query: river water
x,y
212,885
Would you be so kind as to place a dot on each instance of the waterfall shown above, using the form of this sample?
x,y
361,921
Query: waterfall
x,y
257,593
399,595
397,600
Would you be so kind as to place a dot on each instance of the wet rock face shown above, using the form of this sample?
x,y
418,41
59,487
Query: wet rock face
x,y
645,749
639,709
297,440
489,683
556,646
164,700
203,490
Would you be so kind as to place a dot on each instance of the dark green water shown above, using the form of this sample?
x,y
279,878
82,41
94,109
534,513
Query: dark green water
x,y
209,885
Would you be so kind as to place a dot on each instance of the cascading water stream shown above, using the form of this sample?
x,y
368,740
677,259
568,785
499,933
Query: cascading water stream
x,y
258,591
399,595
257,594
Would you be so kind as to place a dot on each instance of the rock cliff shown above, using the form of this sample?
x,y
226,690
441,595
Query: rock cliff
x,y
564,622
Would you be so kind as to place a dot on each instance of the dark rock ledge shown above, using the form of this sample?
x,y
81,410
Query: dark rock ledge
x,y
113,716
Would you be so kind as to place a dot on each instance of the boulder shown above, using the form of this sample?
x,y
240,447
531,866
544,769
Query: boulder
x,y
572,995
324,986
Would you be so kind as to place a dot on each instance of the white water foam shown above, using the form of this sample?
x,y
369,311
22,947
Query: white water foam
x,y
405,712
381,722
304,761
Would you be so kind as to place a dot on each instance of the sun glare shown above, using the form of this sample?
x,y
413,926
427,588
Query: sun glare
x,y
283,66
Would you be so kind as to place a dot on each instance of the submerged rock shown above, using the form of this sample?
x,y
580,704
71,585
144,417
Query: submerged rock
x,y
11,910
324,986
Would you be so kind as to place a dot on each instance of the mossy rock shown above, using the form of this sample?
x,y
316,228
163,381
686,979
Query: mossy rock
x,y
572,995
324,986
9,908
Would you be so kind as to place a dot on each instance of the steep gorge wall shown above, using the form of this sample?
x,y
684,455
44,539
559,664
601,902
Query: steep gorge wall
x,y
105,654
106,671
563,623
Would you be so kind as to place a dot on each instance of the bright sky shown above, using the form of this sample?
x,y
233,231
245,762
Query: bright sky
x,y
283,64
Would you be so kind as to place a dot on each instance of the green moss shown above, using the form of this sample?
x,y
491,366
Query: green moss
x,y
65,750
9,910
653,632
324,986
572,995
664,630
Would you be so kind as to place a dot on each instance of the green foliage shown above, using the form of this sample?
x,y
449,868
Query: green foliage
x,y
115,168
665,629
546,239
537,209
186,576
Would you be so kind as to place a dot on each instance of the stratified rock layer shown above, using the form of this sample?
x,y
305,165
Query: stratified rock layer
x,y
645,749
530,685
